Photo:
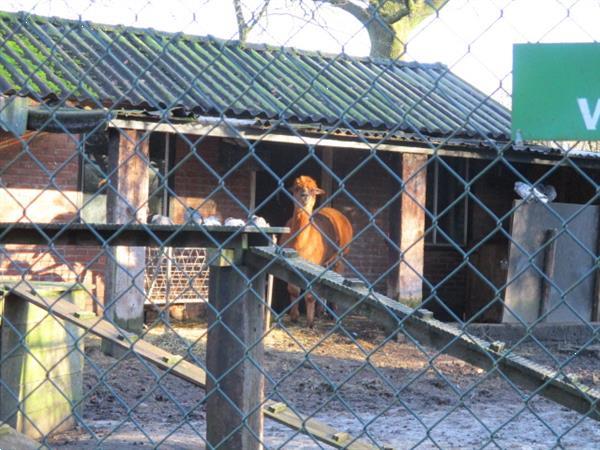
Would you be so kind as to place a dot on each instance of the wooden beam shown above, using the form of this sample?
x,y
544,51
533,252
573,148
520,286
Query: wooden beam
x,y
234,356
420,325
127,201
255,134
178,366
136,235
441,147
407,280
550,242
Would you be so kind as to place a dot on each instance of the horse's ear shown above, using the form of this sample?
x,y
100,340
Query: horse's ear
x,y
319,191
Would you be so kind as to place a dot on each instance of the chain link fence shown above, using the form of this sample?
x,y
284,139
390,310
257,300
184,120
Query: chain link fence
x,y
212,243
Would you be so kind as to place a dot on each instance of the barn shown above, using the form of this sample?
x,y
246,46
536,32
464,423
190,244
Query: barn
x,y
420,160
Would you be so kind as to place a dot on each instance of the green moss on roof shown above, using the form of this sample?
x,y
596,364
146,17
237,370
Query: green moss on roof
x,y
41,64
4,73
26,77
206,75
35,66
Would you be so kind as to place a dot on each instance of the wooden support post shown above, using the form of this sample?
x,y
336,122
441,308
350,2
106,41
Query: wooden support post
x,y
235,386
270,278
270,285
406,284
549,264
326,178
252,205
42,367
127,202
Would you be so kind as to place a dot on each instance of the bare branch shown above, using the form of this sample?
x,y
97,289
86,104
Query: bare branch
x,y
381,33
256,17
244,27
361,14
241,22
388,22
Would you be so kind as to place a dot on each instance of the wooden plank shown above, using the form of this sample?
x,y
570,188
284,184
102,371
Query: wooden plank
x,y
549,265
396,317
177,366
136,235
406,282
283,414
178,301
234,356
459,148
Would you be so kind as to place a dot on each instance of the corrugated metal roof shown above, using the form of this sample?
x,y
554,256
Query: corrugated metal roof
x,y
121,67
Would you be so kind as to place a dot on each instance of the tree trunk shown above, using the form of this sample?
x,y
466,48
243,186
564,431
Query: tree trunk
x,y
382,40
389,27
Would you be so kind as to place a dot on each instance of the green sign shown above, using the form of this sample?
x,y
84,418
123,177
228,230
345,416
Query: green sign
x,y
556,92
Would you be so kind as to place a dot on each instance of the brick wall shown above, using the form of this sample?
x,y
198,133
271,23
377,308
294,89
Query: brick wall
x,y
368,190
196,181
39,184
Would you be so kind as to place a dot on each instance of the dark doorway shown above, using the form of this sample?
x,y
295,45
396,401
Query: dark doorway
x,y
287,163
274,203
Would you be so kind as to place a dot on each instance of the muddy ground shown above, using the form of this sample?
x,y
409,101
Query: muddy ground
x,y
389,392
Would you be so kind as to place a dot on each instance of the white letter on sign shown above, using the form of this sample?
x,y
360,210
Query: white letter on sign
x,y
591,122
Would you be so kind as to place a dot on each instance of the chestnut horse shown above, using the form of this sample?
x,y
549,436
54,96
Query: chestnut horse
x,y
317,237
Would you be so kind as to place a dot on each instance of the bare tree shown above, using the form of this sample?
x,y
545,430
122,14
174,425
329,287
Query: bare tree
x,y
388,22
246,25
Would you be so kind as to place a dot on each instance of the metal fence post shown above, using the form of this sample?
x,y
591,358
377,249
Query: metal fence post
x,y
235,384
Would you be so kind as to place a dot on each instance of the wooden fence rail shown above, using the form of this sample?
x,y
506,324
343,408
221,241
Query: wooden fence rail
x,y
420,325
176,365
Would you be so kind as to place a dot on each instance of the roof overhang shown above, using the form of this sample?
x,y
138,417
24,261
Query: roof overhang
x,y
250,132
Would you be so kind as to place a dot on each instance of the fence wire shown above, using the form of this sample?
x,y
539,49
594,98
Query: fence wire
x,y
216,243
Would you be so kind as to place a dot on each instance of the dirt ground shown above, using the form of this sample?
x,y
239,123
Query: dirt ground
x,y
389,392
